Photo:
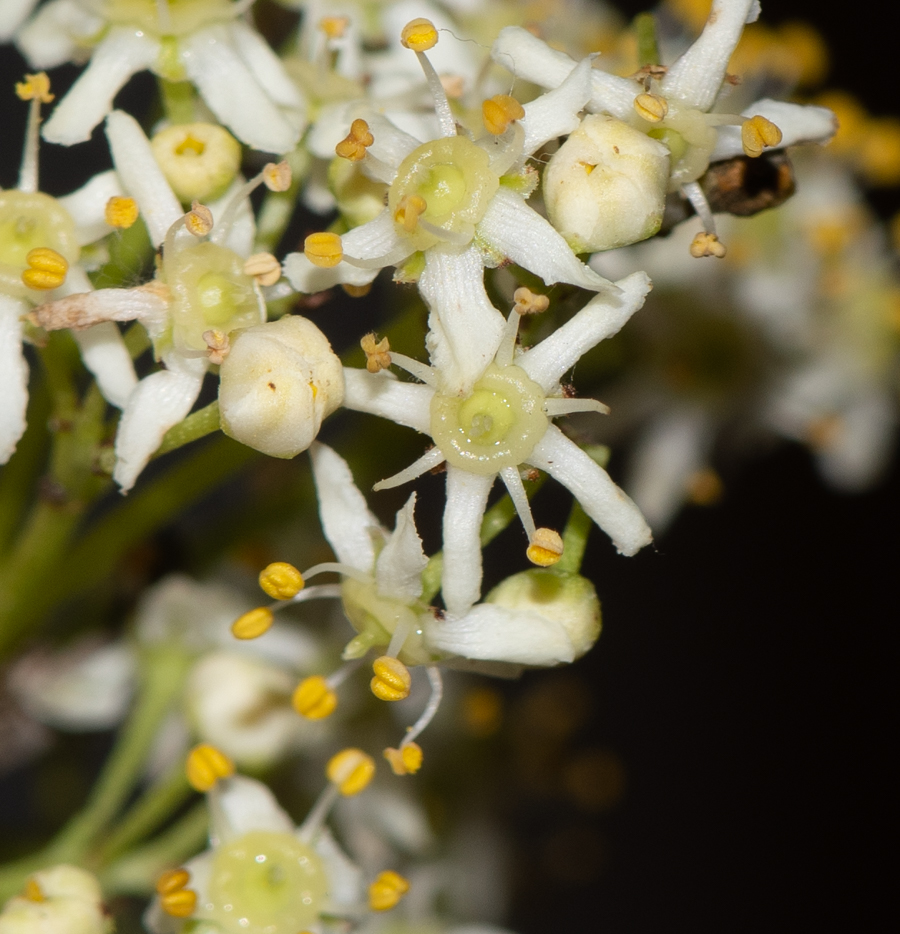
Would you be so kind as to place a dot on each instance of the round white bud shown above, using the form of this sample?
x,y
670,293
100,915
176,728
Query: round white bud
x,y
606,185
277,384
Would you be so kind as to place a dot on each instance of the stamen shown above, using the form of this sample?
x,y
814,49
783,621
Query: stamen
x,y
354,145
419,35
33,891
499,112
350,770
506,349
707,244
253,624
281,581
422,371
651,107
556,407
174,898
120,212
206,765
428,461
528,302
694,193
314,698
758,134
431,708
410,208
323,249
263,267
516,489
199,220
392,680
219,345
276,176
356,291
36,89
334,27
546,548
407,760
387,890
46,270
378,354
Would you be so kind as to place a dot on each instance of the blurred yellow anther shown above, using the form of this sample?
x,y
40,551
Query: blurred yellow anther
x,y
528,302
281,580
546,548
206,765
199,220
651,107
356,291
378,353
499,111
704,487
387,889
172,881
35,87
263,267
408,211
351,770
190,144
253,623
757,134
392,679
33,891
334,26
277,176
218,345
419,35
179,904
323,249
120,212
878,154
454,86
353,146
46,269
314,699
707,244
407,760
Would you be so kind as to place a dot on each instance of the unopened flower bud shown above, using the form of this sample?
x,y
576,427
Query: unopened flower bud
x,y
277,384
199,160
606,185
62,899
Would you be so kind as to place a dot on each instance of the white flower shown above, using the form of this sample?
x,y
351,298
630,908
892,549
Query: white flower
x,y
489,411
57,900
206,42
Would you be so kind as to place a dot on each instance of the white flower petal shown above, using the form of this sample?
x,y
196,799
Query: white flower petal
x,y
120,55
87,206
518,232
799,123
242,233
13,376
467,495
346,521
464,327
602,317
158,402
377,243
391,144
697,76
309,279
590,484
105,355
555,113
345,880
141,176
494,633
232,92
12,14
50,37
398,570
382,394
238,805
268,70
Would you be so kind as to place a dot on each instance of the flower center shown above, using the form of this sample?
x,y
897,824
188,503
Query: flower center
x,y
453,177
690,139
265,883
497,425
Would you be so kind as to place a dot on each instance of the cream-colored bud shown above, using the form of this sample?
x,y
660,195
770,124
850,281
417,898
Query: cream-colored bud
x,y
62,899
606,185
277,384
199,160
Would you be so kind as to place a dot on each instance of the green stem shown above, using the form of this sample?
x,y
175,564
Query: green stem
x,y
648,50
575,537
178,100
197,425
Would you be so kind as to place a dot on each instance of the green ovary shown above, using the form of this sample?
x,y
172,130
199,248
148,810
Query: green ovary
x,y
265,883
497,425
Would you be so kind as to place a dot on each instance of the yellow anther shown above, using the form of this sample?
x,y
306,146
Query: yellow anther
x,y
206,765
35,87
757,134
651,107
419,35
704,487
353,146
851,120
281,580
314,699
879,152
179,904
378,353
172,881
356,291
351,770
190,144
409,210
323,249
46,269
387,890
707,244
120,212
218,345
263,267
33,891
528,302
334,26
499,111
253,623
392,679
199,220
546,548
277,176
407,760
